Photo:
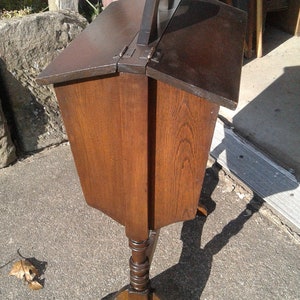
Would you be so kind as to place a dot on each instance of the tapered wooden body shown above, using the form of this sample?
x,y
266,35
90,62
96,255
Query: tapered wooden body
x,y
140,101
141,150
139,121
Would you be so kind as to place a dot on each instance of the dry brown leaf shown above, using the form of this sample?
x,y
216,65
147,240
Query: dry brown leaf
x,y
30,270
35,285
24,269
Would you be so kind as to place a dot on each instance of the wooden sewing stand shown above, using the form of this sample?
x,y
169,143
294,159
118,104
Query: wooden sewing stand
x,y
139,90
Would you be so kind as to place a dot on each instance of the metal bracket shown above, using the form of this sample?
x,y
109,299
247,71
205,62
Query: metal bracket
x,y
124,53
129,53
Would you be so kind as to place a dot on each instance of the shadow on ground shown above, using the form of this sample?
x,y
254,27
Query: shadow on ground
x,y
187,279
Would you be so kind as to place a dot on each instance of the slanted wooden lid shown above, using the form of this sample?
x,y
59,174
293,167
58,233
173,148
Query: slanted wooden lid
x,y
200,51
97,50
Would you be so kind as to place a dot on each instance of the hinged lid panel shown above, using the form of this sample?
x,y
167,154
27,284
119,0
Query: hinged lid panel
x,y
201,51
96,51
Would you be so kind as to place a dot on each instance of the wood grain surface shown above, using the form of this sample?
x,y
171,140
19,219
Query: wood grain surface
x,y
106,122
140,148
184,130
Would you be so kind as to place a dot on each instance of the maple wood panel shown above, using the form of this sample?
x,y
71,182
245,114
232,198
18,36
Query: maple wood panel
x,y
106,122
184,130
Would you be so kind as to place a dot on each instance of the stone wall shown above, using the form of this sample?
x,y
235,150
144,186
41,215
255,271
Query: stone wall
x,y
28,45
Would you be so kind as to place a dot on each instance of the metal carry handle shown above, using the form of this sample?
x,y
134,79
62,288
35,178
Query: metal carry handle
x,y
149,30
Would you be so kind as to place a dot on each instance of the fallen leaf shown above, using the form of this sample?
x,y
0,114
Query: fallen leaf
x,y
24,269
35,285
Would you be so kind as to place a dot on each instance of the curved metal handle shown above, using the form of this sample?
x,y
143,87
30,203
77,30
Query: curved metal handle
x,y
148,31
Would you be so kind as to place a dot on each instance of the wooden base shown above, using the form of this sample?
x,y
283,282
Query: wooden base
x,y
127,294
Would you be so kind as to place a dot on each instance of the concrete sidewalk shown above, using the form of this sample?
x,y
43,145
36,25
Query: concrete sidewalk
x,y
240,251
267,117
268,111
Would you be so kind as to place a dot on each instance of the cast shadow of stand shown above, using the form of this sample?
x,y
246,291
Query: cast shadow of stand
x,y
187,279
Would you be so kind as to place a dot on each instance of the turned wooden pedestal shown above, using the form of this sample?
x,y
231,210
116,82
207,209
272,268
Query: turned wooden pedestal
x,y
140,118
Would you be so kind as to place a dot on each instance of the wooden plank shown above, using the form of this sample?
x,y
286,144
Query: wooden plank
x,y
275,185
288,20
106,124
259,27
184,129
55,5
